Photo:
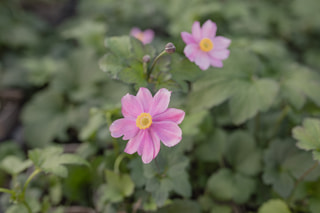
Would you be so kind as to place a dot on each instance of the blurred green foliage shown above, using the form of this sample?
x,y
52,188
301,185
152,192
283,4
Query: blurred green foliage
x,y
74,60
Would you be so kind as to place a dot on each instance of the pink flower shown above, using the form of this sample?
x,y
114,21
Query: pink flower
x,y
204,47
147,120
144,36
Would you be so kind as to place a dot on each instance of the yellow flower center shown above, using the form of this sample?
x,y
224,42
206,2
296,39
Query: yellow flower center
x,y
206,45
140,36
144,120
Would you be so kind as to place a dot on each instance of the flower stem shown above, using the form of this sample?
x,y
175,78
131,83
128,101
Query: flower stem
x,y
6,191
27,206
117,163
154,63
33,174
306,173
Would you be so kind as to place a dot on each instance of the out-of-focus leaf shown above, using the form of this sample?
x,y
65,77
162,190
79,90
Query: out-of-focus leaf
x,y
186,206
299,83
226,185
248,93
14,165
243,154
273,206
214,148
308,136
118,186
52,160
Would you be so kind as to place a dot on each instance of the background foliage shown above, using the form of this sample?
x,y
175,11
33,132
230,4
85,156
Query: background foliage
x,y
251,135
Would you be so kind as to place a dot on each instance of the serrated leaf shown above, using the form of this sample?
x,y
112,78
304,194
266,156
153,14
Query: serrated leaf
x,y
299,83
14,165
242,153
251,98
213,149
226,185
275,173
52,160
308,135
238,83
169,174
118,186
274,205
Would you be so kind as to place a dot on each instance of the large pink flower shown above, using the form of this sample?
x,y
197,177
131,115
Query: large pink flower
x,y
144,36
147,120
204,47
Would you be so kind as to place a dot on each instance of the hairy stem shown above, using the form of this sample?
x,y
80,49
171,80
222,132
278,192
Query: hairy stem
x,y
33,174
154,63
6,191
117,163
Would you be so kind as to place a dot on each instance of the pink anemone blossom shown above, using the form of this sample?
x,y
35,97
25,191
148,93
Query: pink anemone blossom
x,y
147,121
204,47
144,36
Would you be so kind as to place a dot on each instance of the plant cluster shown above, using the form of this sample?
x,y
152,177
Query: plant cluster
x,y
169,106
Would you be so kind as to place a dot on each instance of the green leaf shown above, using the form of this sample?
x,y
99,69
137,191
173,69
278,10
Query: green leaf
x,y
284,162
52,160
213,149
239,83
221,209
252,98
186,206
134,75
274,205
242,153
226,185
14,165
118,186
299,83
308,135
168,174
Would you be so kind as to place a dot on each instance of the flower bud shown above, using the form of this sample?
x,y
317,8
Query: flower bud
x,y
146,58
170,48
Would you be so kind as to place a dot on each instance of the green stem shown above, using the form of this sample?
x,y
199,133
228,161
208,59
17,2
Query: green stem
x,y
306,173
6,191
33,174
117,163
154,63
27,206
283,114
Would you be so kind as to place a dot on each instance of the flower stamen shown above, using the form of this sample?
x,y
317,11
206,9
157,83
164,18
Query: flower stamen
x,y
206,45
144,121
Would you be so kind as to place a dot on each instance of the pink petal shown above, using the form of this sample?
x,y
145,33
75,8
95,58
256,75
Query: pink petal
x,y
131,107
124,126
160,101
209,29
220,42
202,60
134,143
145,98
169,132
149,147
171,114
191,51
147,36
187,38
196,31
135,31
216,63
220,54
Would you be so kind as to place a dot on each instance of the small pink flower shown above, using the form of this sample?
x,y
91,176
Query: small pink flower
x,y
204,47
147,120
144,36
